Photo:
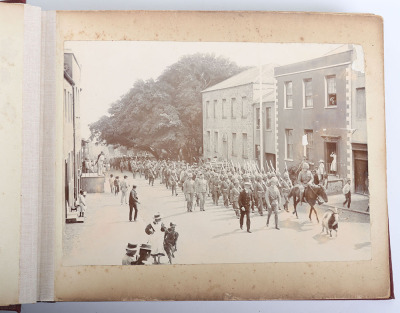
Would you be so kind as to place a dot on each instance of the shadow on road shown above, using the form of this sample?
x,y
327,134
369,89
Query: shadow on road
x,y
235,231
359,246
294,224
176,214
323,238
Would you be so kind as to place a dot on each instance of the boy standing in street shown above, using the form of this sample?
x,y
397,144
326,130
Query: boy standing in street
x,y
347,193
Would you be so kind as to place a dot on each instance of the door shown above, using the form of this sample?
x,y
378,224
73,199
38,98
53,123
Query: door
x,y
361,176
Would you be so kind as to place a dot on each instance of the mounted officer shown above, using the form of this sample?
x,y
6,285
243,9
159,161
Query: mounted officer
x,y
305,179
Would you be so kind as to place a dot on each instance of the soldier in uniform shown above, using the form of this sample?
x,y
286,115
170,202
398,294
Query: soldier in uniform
x,y
225,190
287,185
201,189
134,169
188,190
173,183
151,176
235,197
244,205
273,199
216,189
304,179
230,186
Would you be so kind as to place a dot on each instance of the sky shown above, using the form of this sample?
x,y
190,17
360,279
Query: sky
x,y
110,68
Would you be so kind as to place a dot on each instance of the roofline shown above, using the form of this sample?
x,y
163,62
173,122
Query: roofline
x,y
252,83
76,61
313,59
314,69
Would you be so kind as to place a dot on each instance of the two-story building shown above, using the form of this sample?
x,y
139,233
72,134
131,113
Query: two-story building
x,y
72,140
231,117
321,115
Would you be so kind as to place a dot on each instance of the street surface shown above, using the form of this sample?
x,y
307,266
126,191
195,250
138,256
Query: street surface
x,y
212,236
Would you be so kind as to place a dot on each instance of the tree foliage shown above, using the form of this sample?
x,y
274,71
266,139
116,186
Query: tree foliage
x,y
165,114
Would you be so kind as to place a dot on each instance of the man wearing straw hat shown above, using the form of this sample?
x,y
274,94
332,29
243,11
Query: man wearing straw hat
x,y
129,257
144,254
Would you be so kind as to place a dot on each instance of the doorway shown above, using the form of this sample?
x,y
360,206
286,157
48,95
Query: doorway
x,y
270,158
361,177
331,158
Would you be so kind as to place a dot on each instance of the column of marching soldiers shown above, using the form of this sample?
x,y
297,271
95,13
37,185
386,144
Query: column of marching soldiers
x,y
243,188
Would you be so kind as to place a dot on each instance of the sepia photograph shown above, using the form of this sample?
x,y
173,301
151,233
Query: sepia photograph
x,y
214,152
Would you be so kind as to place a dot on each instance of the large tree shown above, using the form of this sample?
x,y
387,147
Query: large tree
x,y
165,114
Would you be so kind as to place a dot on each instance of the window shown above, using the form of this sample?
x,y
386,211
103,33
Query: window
x,y
257,151
234,144
289,144
308,100
361,105
288,95
258,118
215,141
331,91
215,109
233,107
69,107
208,140
310,141
65,105
268,118
207,109
224,109
244,141
244,107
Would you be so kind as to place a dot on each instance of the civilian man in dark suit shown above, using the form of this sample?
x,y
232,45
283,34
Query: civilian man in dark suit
x,y
133,201
244,205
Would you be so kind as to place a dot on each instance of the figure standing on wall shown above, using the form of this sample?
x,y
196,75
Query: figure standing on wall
x,y
333,164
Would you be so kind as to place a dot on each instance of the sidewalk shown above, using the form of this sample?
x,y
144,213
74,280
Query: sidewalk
x,y
359,203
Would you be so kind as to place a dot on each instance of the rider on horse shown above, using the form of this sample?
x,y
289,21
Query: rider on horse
x,y
305,179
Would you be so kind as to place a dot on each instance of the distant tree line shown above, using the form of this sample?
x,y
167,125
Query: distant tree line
x,y
164,116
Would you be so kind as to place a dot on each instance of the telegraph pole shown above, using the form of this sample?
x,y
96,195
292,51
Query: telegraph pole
x,y
261,124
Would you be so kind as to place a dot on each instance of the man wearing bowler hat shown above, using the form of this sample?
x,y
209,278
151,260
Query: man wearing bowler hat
x,y
133,201
244,205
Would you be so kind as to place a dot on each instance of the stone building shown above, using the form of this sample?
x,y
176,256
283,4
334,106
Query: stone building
x,y
231,117
321,115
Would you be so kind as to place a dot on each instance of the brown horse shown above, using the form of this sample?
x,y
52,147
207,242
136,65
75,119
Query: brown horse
x,y
312,193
